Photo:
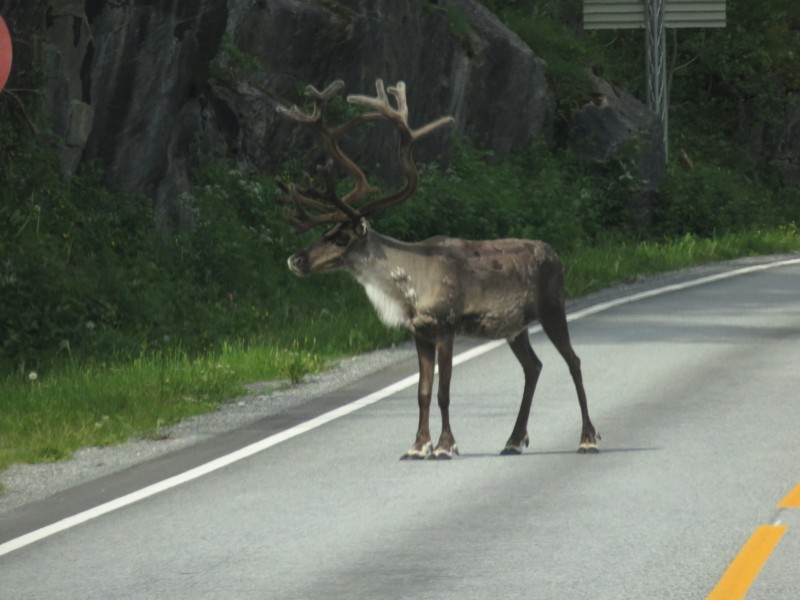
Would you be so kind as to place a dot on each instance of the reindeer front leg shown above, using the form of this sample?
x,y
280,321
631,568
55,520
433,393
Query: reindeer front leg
x,y
446,447
426,354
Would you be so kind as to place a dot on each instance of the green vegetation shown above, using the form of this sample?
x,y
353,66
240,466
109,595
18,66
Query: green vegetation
x,y
47,417
594,268
111,329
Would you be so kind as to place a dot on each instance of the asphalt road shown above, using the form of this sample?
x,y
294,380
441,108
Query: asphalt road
x,y
695,394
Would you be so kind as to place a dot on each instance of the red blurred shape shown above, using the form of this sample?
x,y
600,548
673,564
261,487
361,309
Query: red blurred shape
x,y
5,53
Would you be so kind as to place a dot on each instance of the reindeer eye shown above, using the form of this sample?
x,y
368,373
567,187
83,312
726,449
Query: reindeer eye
x,y
341,239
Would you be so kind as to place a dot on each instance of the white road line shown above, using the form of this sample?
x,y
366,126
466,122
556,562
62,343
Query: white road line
x,y
292,432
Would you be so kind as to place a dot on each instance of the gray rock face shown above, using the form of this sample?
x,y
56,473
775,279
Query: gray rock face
x,y
148,61
141,85
478,71
614,124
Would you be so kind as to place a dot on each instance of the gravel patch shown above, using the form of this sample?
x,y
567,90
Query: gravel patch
x,y
26,483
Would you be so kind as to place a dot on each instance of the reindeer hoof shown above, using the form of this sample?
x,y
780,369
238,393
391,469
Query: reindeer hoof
x,y
513,449
414,456
444,453
415,453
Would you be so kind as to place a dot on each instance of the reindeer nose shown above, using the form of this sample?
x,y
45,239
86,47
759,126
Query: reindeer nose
x,y
298,264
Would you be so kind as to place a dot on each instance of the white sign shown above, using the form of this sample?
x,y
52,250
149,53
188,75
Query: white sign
x,y
629,14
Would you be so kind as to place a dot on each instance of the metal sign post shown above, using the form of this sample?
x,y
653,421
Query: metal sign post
x,y
656,58
655,16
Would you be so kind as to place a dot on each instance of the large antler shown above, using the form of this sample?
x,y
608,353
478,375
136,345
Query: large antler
x,y
327,205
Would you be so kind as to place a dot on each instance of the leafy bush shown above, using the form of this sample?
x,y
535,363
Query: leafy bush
x,y
62,243
708,199
746,71
534,195
84,273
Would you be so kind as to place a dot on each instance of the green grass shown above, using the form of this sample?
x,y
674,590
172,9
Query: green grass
x,y
48,416
591,269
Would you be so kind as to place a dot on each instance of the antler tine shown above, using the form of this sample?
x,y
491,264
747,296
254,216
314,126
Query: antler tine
x,y
380,103
433,125
399,116
399,92
330,138
302,199
330,192
328,93
321,99
309,198
305,197
300,219
382,106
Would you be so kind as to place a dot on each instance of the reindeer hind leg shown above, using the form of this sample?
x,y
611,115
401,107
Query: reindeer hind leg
x,y
554,322
531,366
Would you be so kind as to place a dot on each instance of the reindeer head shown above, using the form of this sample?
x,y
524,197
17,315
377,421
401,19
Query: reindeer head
x,y
320,204
332,251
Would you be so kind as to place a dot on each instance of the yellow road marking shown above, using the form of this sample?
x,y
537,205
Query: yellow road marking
x,y
792,499
745,567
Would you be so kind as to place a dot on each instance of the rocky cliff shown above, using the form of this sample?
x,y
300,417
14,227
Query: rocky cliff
x,y
138,84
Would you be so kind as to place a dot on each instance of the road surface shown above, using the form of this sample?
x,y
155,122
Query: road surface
x,y
695,394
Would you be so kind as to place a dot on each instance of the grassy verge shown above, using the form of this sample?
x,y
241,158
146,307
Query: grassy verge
x,y
48,416
591,269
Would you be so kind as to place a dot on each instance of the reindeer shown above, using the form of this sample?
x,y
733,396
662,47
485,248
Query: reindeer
x,y
436,288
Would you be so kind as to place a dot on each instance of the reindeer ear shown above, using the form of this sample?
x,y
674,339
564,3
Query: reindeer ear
x,y
361,227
